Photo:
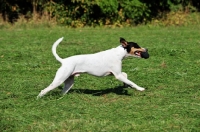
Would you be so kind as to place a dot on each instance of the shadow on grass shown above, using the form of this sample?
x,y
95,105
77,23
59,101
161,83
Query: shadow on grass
x,y
120,90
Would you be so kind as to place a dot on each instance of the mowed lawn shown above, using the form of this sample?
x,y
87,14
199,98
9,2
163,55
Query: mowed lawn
x,y
171,76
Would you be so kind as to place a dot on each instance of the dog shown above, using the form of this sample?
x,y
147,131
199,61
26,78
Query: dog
x,y
108,62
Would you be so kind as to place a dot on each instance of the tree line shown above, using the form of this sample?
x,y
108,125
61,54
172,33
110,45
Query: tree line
x,y
93,12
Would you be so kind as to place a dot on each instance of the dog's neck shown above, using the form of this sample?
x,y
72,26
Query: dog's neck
x,y
121,52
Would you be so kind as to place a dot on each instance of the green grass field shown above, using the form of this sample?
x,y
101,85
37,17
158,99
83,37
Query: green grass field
x,y
171,77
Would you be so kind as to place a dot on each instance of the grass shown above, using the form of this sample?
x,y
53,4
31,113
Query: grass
x,y
171,77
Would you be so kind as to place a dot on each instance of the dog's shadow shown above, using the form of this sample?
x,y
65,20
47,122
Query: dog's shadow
x,y
120,90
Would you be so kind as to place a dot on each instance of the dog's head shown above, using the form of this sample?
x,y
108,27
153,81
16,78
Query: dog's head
x,y
133,49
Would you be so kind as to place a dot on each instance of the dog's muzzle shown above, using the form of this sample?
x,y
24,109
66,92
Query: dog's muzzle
x,y
145,54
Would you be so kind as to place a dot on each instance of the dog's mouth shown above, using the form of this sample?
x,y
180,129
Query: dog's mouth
x,y
138,53
141,54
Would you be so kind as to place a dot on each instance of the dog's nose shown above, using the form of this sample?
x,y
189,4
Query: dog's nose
x,y
145,54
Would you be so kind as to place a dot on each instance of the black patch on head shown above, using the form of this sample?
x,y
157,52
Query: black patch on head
x,y
131,45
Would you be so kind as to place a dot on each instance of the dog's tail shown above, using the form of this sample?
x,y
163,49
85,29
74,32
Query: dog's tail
x,y
54,49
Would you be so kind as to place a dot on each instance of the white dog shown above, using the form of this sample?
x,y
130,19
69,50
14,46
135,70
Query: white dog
x,y
99,64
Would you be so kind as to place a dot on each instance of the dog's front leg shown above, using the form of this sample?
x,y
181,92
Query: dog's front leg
x,y
124,79
126,76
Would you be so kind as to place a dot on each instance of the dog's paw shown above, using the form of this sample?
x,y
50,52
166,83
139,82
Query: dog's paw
x,y
40,94
38,97
141,89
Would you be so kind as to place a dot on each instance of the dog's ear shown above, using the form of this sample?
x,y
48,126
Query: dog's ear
x,y
123,42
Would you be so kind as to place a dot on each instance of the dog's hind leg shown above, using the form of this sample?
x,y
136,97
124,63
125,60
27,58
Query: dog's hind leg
x,y
60,77
68,84
52,86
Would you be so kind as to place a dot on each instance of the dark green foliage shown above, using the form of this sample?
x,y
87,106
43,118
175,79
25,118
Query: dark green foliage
x,y
78,13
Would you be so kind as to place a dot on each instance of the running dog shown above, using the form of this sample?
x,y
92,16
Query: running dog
x,y
108,62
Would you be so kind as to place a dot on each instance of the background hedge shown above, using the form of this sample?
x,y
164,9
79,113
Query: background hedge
x,y
93,12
